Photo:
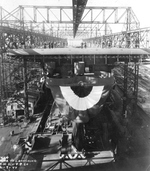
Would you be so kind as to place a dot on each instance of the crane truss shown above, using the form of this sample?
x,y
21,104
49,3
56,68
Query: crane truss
x,y
138,38
60,21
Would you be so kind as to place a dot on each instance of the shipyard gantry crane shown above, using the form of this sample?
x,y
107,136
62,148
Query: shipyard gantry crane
x,y
34,26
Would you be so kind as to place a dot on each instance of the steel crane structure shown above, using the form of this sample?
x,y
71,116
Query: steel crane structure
x,y
137,38
34,26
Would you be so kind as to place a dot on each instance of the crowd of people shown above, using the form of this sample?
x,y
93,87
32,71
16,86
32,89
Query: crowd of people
x,y
46,44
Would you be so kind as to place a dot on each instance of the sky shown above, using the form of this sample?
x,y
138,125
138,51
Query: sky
x,y
141,8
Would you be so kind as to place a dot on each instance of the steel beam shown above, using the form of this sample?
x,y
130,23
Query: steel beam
x,y
26,109
1,84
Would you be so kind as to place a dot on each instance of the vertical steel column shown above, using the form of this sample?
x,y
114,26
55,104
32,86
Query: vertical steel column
x,y
35,14
0,83
47,15
43,30
125,86
22,25
91,24
26,110
10,82
1,34
31,36
3,76
116,15
60,15
128,27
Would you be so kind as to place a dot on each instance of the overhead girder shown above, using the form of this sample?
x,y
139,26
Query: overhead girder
x,y
107,17
113,14
138,38
51,19
78,9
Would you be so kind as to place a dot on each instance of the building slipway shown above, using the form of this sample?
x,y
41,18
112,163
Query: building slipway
x,y
134,149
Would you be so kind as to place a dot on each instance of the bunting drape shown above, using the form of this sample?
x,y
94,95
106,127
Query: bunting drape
x,y
82,97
